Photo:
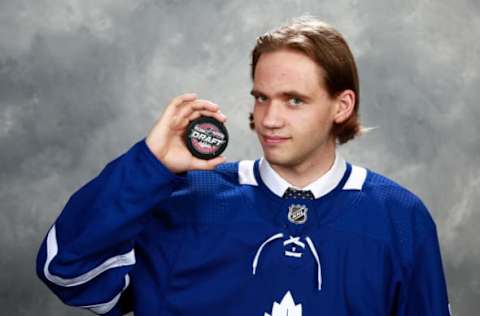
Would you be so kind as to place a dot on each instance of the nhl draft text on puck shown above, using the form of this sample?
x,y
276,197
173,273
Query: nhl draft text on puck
x,y
206,137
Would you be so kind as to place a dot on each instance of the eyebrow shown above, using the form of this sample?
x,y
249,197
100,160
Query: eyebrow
x,y
289,94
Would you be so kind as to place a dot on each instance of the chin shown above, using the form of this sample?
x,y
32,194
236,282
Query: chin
x,y
279,160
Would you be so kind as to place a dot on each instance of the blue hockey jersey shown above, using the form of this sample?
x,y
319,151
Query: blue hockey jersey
x,y
139,238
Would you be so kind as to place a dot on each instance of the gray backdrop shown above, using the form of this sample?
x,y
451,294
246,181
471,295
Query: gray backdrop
x,y
82,81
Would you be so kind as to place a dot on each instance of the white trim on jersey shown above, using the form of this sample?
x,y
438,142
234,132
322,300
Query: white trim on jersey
x,y
294,240
356,179
320,187
246,174
113,262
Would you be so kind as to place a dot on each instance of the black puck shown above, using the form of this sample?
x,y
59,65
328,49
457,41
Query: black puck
x,y
206,137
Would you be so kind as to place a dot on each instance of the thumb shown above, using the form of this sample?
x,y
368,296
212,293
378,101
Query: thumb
x,y
207,164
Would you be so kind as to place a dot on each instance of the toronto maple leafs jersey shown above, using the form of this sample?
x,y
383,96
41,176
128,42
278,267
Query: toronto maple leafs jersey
x,y
140,238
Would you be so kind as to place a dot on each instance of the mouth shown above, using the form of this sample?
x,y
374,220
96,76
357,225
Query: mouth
x,y
274,140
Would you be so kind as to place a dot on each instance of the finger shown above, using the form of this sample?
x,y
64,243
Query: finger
x,y
172,107
205,105
187,109
210,109
207,164
184,123
194,115
213,163
186,120
194,110
180,100
186,97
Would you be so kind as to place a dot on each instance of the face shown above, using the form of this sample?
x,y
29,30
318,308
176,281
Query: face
x,y
293,113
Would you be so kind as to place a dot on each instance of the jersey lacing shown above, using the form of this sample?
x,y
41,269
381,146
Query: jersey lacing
x,y
296,241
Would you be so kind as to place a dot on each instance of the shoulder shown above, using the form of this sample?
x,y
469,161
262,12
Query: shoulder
x,y
223,174
232,173
207,196
394,214
377,188
382,199
395,198
225,178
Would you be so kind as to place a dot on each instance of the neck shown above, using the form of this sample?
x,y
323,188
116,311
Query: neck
x,y
306,172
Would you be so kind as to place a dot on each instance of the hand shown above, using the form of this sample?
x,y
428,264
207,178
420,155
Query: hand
x,y
165,139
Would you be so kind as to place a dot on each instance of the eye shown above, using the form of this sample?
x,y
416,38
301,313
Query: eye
x,y
294,101
260,98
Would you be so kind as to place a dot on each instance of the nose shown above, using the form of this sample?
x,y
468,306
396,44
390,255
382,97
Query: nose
x,y
273,116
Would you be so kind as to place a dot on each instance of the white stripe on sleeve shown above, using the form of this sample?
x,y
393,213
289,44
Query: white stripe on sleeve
x,y
113,262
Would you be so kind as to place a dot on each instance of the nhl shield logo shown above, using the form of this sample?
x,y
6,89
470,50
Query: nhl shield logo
x,y
297,213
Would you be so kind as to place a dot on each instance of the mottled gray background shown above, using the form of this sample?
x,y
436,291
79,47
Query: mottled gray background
x,y
81,81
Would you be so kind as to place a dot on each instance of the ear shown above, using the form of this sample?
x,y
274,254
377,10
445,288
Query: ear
x,y
344,104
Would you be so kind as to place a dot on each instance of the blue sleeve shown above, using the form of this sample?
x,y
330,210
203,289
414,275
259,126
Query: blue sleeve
x,y
88,252
426,290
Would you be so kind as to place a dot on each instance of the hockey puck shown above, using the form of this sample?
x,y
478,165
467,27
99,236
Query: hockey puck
x,y
206,137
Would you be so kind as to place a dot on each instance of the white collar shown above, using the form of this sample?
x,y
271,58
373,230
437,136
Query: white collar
x,y
319,187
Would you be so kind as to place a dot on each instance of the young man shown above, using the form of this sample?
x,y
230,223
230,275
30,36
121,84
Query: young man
x,y
159,232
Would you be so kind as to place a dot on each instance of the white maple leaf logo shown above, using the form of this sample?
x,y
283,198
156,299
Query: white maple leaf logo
x,y
286,307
